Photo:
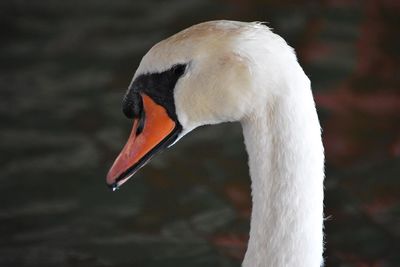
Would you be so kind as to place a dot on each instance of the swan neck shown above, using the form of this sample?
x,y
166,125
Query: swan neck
x,y
286,167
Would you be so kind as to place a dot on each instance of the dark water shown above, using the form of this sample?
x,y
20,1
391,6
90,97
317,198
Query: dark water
x,y
64,68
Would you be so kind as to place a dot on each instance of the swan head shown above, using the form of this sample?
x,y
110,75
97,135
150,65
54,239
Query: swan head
x,y
202,75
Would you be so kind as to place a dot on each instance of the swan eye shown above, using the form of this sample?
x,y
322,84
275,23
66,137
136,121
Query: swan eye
x,y
178,70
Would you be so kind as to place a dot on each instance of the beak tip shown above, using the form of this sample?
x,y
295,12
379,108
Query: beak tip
x,y
111,180
114,186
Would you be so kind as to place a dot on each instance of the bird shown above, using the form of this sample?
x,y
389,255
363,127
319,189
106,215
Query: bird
x,y
226,71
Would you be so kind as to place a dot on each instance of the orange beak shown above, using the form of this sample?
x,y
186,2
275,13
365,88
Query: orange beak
x,y
159,131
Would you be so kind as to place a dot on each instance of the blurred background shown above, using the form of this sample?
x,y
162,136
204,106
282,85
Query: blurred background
x,y
64,67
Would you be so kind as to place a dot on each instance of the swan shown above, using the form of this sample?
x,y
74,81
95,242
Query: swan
x,y
223,71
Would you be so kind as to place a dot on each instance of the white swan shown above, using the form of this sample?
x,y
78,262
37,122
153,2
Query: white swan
x,y
233,71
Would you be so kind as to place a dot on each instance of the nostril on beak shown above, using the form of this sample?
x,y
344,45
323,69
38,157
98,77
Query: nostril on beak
x,y
141,121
